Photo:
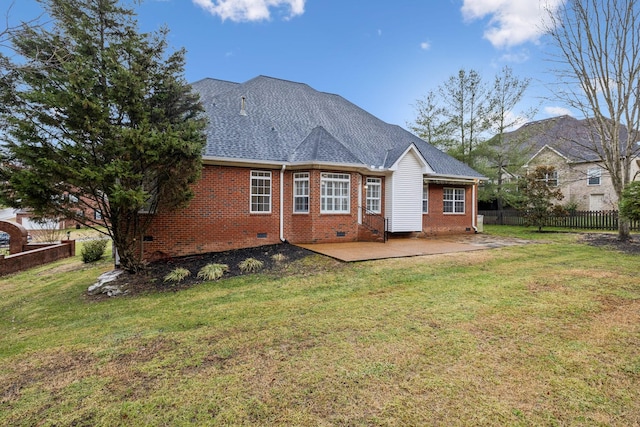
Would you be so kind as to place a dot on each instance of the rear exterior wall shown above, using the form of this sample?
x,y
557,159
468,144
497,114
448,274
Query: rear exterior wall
x,y
218,218
436,222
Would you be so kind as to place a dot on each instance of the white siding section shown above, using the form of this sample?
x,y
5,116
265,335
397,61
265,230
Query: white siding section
x,y
404,195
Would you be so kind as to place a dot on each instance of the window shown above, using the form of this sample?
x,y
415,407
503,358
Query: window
x,y
374,194
551,179
593,176
334,192
260,192
453,200
301,192
425,198
97,215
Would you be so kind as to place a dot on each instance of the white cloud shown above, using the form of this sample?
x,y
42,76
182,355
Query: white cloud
x,y
557,111
512,22
516,57
250,10
425,45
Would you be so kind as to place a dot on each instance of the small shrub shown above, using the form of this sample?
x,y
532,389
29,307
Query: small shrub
x,y
250,265
278,258
212,271
93,250
177,275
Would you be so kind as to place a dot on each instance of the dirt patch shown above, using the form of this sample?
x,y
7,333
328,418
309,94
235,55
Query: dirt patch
x,y
276,259
611,241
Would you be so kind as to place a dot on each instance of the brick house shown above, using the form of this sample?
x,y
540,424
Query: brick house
x,y
564,142
284,162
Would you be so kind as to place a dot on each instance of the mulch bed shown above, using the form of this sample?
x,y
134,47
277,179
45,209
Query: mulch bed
x,y
611,241
152,279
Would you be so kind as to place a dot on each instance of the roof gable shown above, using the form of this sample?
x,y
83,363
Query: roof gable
x,y
321,146
412,149
575,140
550,149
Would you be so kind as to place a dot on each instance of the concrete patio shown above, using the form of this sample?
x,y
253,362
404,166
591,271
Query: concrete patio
x,y
407,247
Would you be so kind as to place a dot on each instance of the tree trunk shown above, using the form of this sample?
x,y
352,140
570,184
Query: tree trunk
x,y
624,228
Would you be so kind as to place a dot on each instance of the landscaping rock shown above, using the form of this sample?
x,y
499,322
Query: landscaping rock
x,y
102,286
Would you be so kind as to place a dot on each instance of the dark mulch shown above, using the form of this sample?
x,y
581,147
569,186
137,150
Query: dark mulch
x,y
152,279
611,241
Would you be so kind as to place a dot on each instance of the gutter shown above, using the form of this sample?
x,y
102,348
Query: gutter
x,y
474,213
282,239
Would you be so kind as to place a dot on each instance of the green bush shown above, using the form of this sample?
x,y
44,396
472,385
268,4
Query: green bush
x,y
630,203
93,250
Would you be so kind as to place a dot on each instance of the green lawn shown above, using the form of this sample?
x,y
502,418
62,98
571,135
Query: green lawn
x,y
539,334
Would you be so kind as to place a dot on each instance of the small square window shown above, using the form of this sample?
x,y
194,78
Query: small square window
x,y
594,176
453,200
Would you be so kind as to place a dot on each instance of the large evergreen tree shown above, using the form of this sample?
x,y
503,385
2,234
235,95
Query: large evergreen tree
x,y
101,118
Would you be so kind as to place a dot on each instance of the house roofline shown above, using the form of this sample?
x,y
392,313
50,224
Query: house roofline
x,y
225,161
567,159
356,167
454,178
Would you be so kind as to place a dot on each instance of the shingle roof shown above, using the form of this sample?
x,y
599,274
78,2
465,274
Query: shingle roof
x,y
268,119
572,138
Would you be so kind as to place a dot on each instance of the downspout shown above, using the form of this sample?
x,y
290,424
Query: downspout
x,y
282,239
474,219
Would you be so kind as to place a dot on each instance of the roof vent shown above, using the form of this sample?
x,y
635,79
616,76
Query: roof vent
x,y
243,111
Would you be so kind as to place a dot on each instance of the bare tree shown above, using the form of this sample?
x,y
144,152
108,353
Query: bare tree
x,y
599,71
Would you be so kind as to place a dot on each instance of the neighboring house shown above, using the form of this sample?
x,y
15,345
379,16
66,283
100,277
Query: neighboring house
x,y
284,162
563,142
82,207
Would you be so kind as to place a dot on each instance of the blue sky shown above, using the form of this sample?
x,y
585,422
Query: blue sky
x,y
380,55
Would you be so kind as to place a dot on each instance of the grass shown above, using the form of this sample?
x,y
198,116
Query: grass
x,y
539,334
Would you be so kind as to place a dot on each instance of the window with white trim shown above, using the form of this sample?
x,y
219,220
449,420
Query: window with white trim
x,y
453,200
374,195
334,193
594,176
301,192
551,179
425,197
260,192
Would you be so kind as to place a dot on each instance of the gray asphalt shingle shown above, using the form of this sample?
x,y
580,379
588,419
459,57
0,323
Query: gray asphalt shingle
x,y
268,119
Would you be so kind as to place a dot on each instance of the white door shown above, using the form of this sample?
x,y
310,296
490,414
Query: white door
x,y
596,202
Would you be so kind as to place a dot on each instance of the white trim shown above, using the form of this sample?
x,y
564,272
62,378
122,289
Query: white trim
x,y
454,200
426,168
425,184
333,178
379,198
269,178
546,146
595,172
295,180
282,239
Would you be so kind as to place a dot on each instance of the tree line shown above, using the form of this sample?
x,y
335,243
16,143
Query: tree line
x,y
596,54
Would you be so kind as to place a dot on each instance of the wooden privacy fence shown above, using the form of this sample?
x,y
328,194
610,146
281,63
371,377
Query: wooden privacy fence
x,y
589,220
